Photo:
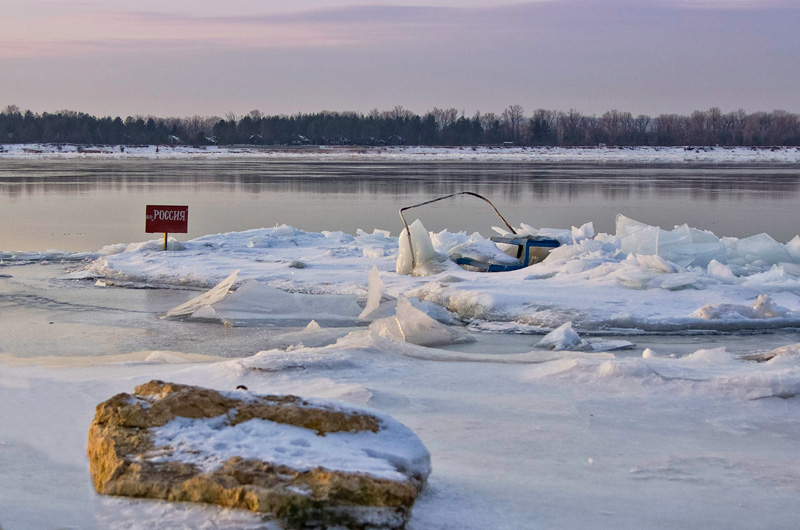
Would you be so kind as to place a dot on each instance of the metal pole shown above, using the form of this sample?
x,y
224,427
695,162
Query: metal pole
x,y
481,197
165,241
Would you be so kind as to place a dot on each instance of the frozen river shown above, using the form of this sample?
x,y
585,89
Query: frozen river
x,y
675,431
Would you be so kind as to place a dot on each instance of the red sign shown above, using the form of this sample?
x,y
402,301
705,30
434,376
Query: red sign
x,y
167,219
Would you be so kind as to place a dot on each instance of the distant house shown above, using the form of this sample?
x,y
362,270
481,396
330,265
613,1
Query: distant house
x,y
508,144
299,139
396,140
173,140
212,140
256,139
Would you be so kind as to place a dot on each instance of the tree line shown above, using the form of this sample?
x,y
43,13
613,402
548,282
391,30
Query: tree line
x,y
399,126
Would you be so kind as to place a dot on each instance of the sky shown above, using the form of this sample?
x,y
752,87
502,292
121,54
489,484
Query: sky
x,y
190,57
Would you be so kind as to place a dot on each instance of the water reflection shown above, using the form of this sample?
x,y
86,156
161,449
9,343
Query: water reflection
x,y
513,182
731,200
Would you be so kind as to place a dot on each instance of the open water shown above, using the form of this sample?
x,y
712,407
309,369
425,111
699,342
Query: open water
x,y
82,205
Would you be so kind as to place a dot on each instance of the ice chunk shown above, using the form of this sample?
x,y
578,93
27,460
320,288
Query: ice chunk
x,y
376,232
110,250
721,272
683,246
643,241
423,250
674,282
610,345
444,241
786,352
586,231
793,248
690,246
212,296
764,307
205,313
626,225
166,357
760,247
413,325
563,338
375,293
709,357
313,336
649,354
655,263
563,236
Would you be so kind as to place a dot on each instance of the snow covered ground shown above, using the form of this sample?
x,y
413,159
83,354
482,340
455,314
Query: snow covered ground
x,y
571,434
635,155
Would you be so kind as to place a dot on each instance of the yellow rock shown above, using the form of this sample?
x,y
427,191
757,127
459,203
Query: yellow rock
x,y
124,460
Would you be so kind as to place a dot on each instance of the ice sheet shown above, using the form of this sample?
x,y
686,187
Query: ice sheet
x,y
622,281
711,437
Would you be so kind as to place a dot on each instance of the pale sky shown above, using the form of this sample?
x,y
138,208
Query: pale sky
x,y
186,57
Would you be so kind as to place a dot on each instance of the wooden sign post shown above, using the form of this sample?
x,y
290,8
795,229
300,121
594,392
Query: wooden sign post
x,y
167,219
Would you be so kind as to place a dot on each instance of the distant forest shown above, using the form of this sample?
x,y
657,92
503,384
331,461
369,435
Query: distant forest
x,y
399,126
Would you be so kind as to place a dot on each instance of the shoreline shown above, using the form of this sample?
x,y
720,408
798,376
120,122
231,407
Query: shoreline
x,y
550,155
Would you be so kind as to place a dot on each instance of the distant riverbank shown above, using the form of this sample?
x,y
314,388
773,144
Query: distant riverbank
x,y
624,155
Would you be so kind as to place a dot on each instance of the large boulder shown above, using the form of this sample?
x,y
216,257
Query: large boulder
x,y
310,463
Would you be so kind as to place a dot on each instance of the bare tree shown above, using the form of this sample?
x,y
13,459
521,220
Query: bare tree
x,y
513,116
444,117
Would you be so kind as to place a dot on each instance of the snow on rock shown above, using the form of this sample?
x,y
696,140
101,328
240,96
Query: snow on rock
x,y
299,460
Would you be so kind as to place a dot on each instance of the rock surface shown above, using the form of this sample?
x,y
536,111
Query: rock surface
x,y
142,445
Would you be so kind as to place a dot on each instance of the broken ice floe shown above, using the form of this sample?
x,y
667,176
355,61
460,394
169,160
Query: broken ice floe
x,y
202,304
637,279
412,325
565,337
256,301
